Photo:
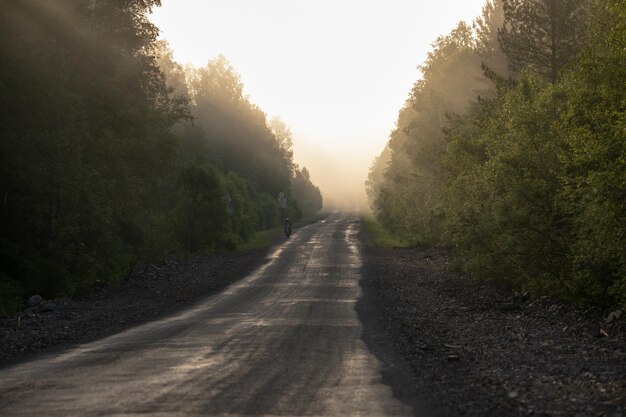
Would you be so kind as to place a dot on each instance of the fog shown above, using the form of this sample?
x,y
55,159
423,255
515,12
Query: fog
x,y
340,175
338,89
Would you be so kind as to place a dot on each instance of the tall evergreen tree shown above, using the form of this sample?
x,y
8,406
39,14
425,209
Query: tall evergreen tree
x,y
486,27
544,35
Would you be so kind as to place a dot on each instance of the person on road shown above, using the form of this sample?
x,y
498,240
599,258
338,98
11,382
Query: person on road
x,y
287,227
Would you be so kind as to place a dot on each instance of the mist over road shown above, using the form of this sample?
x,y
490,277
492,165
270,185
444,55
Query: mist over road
x,y
285,340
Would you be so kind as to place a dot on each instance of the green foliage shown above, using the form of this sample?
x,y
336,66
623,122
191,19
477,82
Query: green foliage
x,y
503,180
529,185
243,206
11,295
536,189
307,195
407,201
235,129
376,176
85,130
201,214
594,178
381,237
545,35
100,160
262,239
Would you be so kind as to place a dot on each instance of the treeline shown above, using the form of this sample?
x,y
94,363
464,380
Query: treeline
x,y
229,137
512,150
112,152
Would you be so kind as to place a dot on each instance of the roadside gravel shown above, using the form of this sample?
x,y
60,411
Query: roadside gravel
x,y
151,292
455,348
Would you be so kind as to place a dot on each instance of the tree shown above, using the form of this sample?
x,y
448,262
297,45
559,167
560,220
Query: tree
x,y
376,176
202,208
236,129
305,192
486,28
284,137
100,162
529,185
408,199
503,167
535,194
594,179
175,74
486,25
84,139
545,35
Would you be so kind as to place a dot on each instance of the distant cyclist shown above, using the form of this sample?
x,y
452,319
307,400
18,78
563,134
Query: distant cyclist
x,y
287,227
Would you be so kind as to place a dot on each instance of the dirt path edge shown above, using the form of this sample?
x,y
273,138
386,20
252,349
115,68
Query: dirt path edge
x,y
452,347
152,292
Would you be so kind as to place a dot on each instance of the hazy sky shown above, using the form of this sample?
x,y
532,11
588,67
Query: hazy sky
x,y
336,72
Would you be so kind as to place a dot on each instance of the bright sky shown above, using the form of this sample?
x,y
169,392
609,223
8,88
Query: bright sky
x,y
336,71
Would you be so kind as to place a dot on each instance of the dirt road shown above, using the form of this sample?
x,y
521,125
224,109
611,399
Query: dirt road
x,y
285,340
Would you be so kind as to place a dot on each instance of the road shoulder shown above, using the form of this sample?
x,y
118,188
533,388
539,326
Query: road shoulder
x,y
152,292
471,350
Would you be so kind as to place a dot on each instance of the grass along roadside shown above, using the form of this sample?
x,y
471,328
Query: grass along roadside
x,y
381,237
261,239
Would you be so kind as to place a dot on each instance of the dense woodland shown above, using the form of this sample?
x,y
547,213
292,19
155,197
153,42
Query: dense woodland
x,y
111,152
511,150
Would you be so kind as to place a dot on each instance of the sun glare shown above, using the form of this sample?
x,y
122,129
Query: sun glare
x,y
336,72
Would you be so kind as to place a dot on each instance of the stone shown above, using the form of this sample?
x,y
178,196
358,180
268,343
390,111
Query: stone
x,y
48,307
615,315
34,301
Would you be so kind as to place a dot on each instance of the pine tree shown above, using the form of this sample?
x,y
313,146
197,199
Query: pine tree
x,y
544,35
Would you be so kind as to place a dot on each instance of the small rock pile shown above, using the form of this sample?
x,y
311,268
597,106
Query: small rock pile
x,y
37,305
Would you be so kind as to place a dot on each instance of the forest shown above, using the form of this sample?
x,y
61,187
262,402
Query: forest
x,y
113,153
511,150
